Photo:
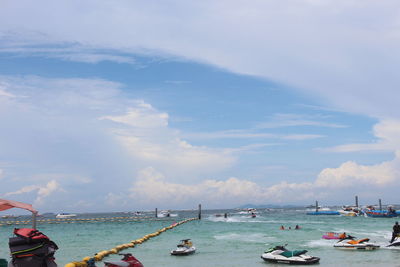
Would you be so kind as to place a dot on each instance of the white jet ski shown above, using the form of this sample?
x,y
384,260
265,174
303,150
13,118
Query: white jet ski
x,y
360,244
184,248
395,243
280,254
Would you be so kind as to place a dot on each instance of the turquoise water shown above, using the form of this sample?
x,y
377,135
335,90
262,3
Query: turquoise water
x,y
236,241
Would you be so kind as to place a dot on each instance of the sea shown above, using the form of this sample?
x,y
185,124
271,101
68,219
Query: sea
x,y
238,240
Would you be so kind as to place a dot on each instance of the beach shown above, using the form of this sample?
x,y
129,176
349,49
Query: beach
x,y
238,240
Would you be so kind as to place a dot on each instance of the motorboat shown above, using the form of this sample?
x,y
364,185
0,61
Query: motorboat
x,y
371,211
279,254
166,213
360,244
185,247
350,211
65,215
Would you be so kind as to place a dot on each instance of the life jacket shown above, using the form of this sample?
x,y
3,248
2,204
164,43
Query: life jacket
x,y
30,233
31,248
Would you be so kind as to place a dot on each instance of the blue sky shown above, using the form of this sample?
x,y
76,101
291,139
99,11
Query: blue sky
x,y
136,105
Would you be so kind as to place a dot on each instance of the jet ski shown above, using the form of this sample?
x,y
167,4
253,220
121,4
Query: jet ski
x,y
279,254
360,244
395,243
184,248
127,261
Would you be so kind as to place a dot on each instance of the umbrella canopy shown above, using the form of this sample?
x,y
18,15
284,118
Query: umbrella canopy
x,y
9,204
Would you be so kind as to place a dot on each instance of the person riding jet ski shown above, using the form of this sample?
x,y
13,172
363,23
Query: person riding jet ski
x,y
279,254
184,248
395,241
351,243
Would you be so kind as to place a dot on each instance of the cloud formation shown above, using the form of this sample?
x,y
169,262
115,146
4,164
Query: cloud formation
x,y
324,49
42,192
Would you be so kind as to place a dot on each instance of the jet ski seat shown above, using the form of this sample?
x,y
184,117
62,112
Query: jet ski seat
x,y
353,242
289,253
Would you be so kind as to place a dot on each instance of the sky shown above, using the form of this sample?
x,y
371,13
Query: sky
x,y
135,105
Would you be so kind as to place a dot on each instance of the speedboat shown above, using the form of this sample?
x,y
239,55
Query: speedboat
x,y
166,213
279,254
65,215
184,248
350,211
360,244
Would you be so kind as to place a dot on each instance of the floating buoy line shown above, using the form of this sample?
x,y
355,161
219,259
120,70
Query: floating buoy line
x,y
88,261
84,220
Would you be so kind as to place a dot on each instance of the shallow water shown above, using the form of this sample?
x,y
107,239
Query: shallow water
x,y
236,241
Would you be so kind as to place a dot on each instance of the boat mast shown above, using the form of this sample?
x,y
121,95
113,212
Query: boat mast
x,y
357,202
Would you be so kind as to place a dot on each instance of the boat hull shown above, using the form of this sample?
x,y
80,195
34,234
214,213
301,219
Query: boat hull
x,y
311,260
366,247
179,252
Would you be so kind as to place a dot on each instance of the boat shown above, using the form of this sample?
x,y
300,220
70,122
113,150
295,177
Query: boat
x,y
350,211
352,244
185,247
370,211
65,215
166,213
323,212
279,254
333,235
8,216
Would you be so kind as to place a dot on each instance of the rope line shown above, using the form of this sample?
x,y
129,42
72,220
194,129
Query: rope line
x,y
104,253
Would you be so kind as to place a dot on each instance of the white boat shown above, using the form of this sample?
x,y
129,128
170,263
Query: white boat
x,y
352,244
166,213
280,254
65,215
184,248
350,211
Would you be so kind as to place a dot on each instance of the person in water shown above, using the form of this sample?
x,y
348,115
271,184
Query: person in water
x,y
396,231
297,227
282,227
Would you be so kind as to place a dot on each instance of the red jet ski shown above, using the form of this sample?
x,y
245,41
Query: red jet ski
x,y
127,261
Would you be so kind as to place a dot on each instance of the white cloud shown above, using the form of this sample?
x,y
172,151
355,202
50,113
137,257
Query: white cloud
x,y
116,200
351,174
144,132
152,186
294,120
338,50
23,190
42,192
349,177
46,190
143,116
63,115
386,131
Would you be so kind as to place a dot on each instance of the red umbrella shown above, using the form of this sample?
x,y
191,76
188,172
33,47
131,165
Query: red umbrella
x,y
9,204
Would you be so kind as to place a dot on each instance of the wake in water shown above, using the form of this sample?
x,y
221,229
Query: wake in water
x,y
253,238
